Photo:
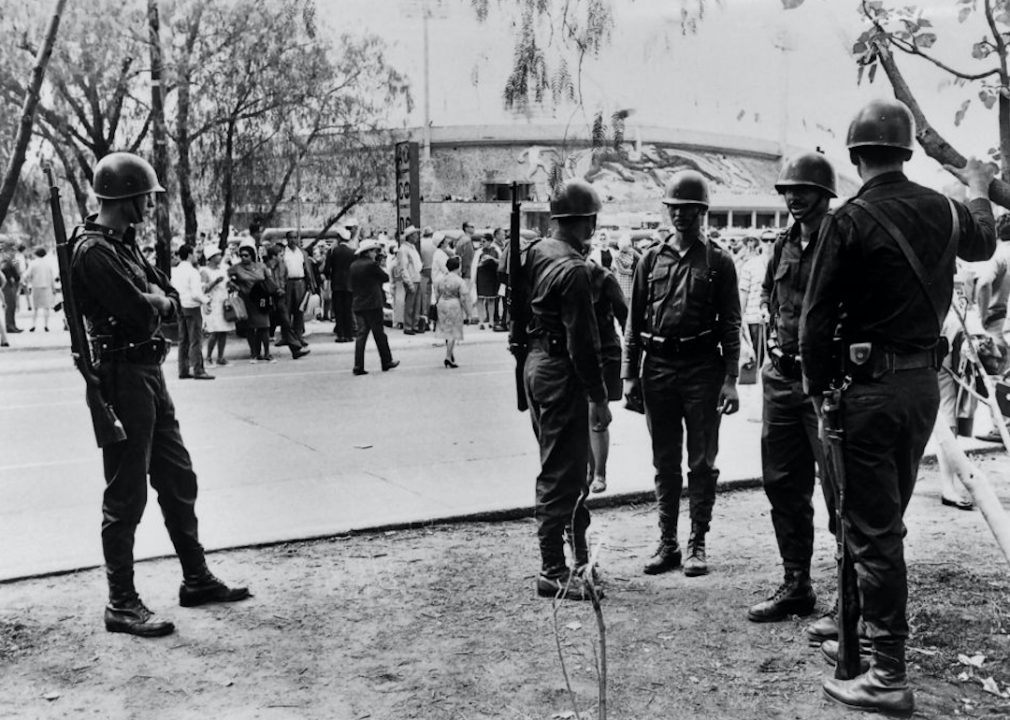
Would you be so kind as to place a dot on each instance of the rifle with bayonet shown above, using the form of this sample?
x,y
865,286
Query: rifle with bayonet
x,y
108,428
518,303
848,589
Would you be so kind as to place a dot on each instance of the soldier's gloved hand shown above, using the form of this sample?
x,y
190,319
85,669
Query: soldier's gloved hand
x,y
977,175
599,416
729,400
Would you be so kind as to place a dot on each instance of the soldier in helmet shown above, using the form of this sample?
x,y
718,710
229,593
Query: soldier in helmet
x,y
789,442
564,383
881,281
685,319
125,300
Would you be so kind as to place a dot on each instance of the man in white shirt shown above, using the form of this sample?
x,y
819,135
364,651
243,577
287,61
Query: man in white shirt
x,y
408,261
296,286
186,279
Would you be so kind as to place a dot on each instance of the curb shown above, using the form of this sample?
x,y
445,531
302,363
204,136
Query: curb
x,y
637,497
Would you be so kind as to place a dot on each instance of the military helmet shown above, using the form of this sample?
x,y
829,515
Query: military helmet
x,y
882,123
576,198
122,175
686,187
809,169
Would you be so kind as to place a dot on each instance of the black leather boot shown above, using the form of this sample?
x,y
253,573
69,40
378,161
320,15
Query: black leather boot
x,y
125,613
882,689
794,597
696,563
556,580
829,650
824,628
668,557
200,587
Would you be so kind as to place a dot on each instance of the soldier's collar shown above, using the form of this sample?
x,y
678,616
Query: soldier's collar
x,y
883,179
128,237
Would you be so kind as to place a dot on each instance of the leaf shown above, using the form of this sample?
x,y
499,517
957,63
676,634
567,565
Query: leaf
x,y
873,73
566,715
791,4
925,40
987,98
963,14
980,49
990,686
859,48
959,115
574,625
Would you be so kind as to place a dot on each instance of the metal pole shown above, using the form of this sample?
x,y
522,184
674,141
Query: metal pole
x,y
427,87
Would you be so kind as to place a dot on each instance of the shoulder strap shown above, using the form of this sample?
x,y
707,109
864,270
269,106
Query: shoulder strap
x,y
925,280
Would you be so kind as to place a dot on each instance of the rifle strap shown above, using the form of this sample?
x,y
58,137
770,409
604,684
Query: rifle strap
x,y
924,278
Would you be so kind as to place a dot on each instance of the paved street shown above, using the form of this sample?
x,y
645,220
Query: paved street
x,y
299,450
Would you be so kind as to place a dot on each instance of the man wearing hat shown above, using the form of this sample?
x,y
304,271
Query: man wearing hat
x,y
367,278
427,253
881,282
408,262
125,299
682,355
338,269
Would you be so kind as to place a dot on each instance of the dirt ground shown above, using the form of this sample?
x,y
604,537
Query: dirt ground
x,y
442,622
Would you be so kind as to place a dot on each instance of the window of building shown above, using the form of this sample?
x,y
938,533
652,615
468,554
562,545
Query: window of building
x,y
742,218
718,219
765,220
502,192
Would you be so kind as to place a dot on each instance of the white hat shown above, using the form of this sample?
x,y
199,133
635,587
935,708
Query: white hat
x,y
351,222
344,233
410,230
247,242
210,250
366,246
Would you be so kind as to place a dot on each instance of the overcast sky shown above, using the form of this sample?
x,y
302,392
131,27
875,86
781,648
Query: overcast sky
x,y
732,76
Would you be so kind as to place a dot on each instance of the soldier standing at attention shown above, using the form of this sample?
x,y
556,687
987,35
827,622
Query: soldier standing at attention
x,y
125,300
882,280
685,316
789,442
564,383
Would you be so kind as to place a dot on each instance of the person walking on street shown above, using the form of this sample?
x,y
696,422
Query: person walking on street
x,y
564,385
881,281
367,277
609,306
187,281
449,289
338,270
12,287
685,318
790,446
125,300
299,282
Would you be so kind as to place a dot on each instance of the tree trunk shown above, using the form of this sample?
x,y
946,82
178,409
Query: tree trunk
x,y
163,226
343,211
184,140
227,180
31,103
935,146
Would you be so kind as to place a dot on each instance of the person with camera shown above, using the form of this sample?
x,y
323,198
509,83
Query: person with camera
x,y
125,300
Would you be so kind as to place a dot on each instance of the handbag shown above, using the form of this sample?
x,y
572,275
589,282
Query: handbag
x,y
237,306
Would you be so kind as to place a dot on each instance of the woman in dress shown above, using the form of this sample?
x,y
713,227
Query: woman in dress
x,y
216,288
41,278
248,278
487,280
450,291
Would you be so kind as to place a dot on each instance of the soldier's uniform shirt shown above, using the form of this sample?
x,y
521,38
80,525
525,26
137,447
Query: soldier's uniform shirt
x,y
561,375
109,275
862,284
675,296
790,445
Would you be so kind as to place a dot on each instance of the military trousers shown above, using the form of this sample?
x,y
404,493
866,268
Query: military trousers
x,y
790,449
153,447
887,423
681,397
559,411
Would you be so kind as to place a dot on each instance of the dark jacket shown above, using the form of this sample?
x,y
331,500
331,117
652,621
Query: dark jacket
x,y
862,285
785,284
338,267
366,284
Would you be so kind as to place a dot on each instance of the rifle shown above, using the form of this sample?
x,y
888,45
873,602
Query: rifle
x,y
848,590
108,429
518,303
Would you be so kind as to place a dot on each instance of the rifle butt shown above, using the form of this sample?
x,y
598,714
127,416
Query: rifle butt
x,y
848,619
108,427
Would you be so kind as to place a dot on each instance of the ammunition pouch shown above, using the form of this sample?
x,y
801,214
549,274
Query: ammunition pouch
x,y
106,349
674,347
789,366
554,345
862,361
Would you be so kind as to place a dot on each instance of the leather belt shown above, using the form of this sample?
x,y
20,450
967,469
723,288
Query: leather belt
x,y
147,352
882,362
554,345
674,347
